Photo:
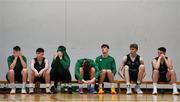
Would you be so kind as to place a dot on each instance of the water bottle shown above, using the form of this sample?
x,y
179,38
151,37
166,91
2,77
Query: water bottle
x,y
59,87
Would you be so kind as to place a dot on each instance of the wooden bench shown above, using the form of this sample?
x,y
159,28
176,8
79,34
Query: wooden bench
x,y
118,82
146,82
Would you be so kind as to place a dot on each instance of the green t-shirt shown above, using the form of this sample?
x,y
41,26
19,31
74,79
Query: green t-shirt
x,y
106,63
18,65
79,65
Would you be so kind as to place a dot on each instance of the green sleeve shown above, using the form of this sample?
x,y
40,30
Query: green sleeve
x,y
97,62
65,62
9,61
96,70
25,59
114,67
77,70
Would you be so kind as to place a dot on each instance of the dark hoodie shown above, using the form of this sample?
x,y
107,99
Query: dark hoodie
x,y
61,63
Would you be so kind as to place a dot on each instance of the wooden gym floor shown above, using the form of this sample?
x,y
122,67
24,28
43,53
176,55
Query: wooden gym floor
x,y
75,97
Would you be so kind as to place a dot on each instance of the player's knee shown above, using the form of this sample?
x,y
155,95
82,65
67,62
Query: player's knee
x,y
24,70
109,71
155,71
11,71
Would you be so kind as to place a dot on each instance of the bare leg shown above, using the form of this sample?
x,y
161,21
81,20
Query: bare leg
x,y
11,76
141,73
102,76
24,75
127,77
32,76
110,76
155,76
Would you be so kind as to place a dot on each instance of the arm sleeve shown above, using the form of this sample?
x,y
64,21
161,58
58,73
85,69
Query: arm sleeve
x,y
9,61
96,70
77,71
65,62
114,67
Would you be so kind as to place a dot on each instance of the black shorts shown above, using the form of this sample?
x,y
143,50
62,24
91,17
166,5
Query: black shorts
x,y
106,79
133,74
17,76
86,76
62,75
162,77
39,79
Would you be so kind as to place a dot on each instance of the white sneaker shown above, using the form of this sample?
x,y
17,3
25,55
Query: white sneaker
x,y
23,91
13,91
138,89
154,92
129,90
48,91
31,90
175,92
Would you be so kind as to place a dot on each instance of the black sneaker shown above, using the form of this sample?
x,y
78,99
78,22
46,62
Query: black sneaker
x,y
69,90
53,90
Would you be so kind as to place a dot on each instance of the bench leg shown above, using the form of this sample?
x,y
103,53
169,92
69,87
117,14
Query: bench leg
x,y
119,88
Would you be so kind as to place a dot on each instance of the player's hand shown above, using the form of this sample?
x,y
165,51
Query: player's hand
x,y
91,81
19,54
162,56
41,72
60,54
36,73
85,82
55,55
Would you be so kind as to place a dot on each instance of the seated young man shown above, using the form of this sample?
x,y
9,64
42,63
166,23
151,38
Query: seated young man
x,y
86,72
39,71
17,70
163,70
107,67
132,69
60,69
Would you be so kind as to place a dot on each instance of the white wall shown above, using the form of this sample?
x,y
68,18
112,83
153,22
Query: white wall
x,y
83,25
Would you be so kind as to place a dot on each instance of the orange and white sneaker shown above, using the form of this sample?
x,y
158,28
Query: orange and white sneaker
x,y
113,91
101,91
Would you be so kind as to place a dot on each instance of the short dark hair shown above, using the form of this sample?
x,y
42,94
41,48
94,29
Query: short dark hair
x,y
133,46
105,45
16,48
40,50
163,49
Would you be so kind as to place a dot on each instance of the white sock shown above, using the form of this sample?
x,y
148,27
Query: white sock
x,y
47,85
155,86
23,85
12,85
174,87
128,84
100,85
138,82
31,85
52,84
69,85
80,85
112,85
92,85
